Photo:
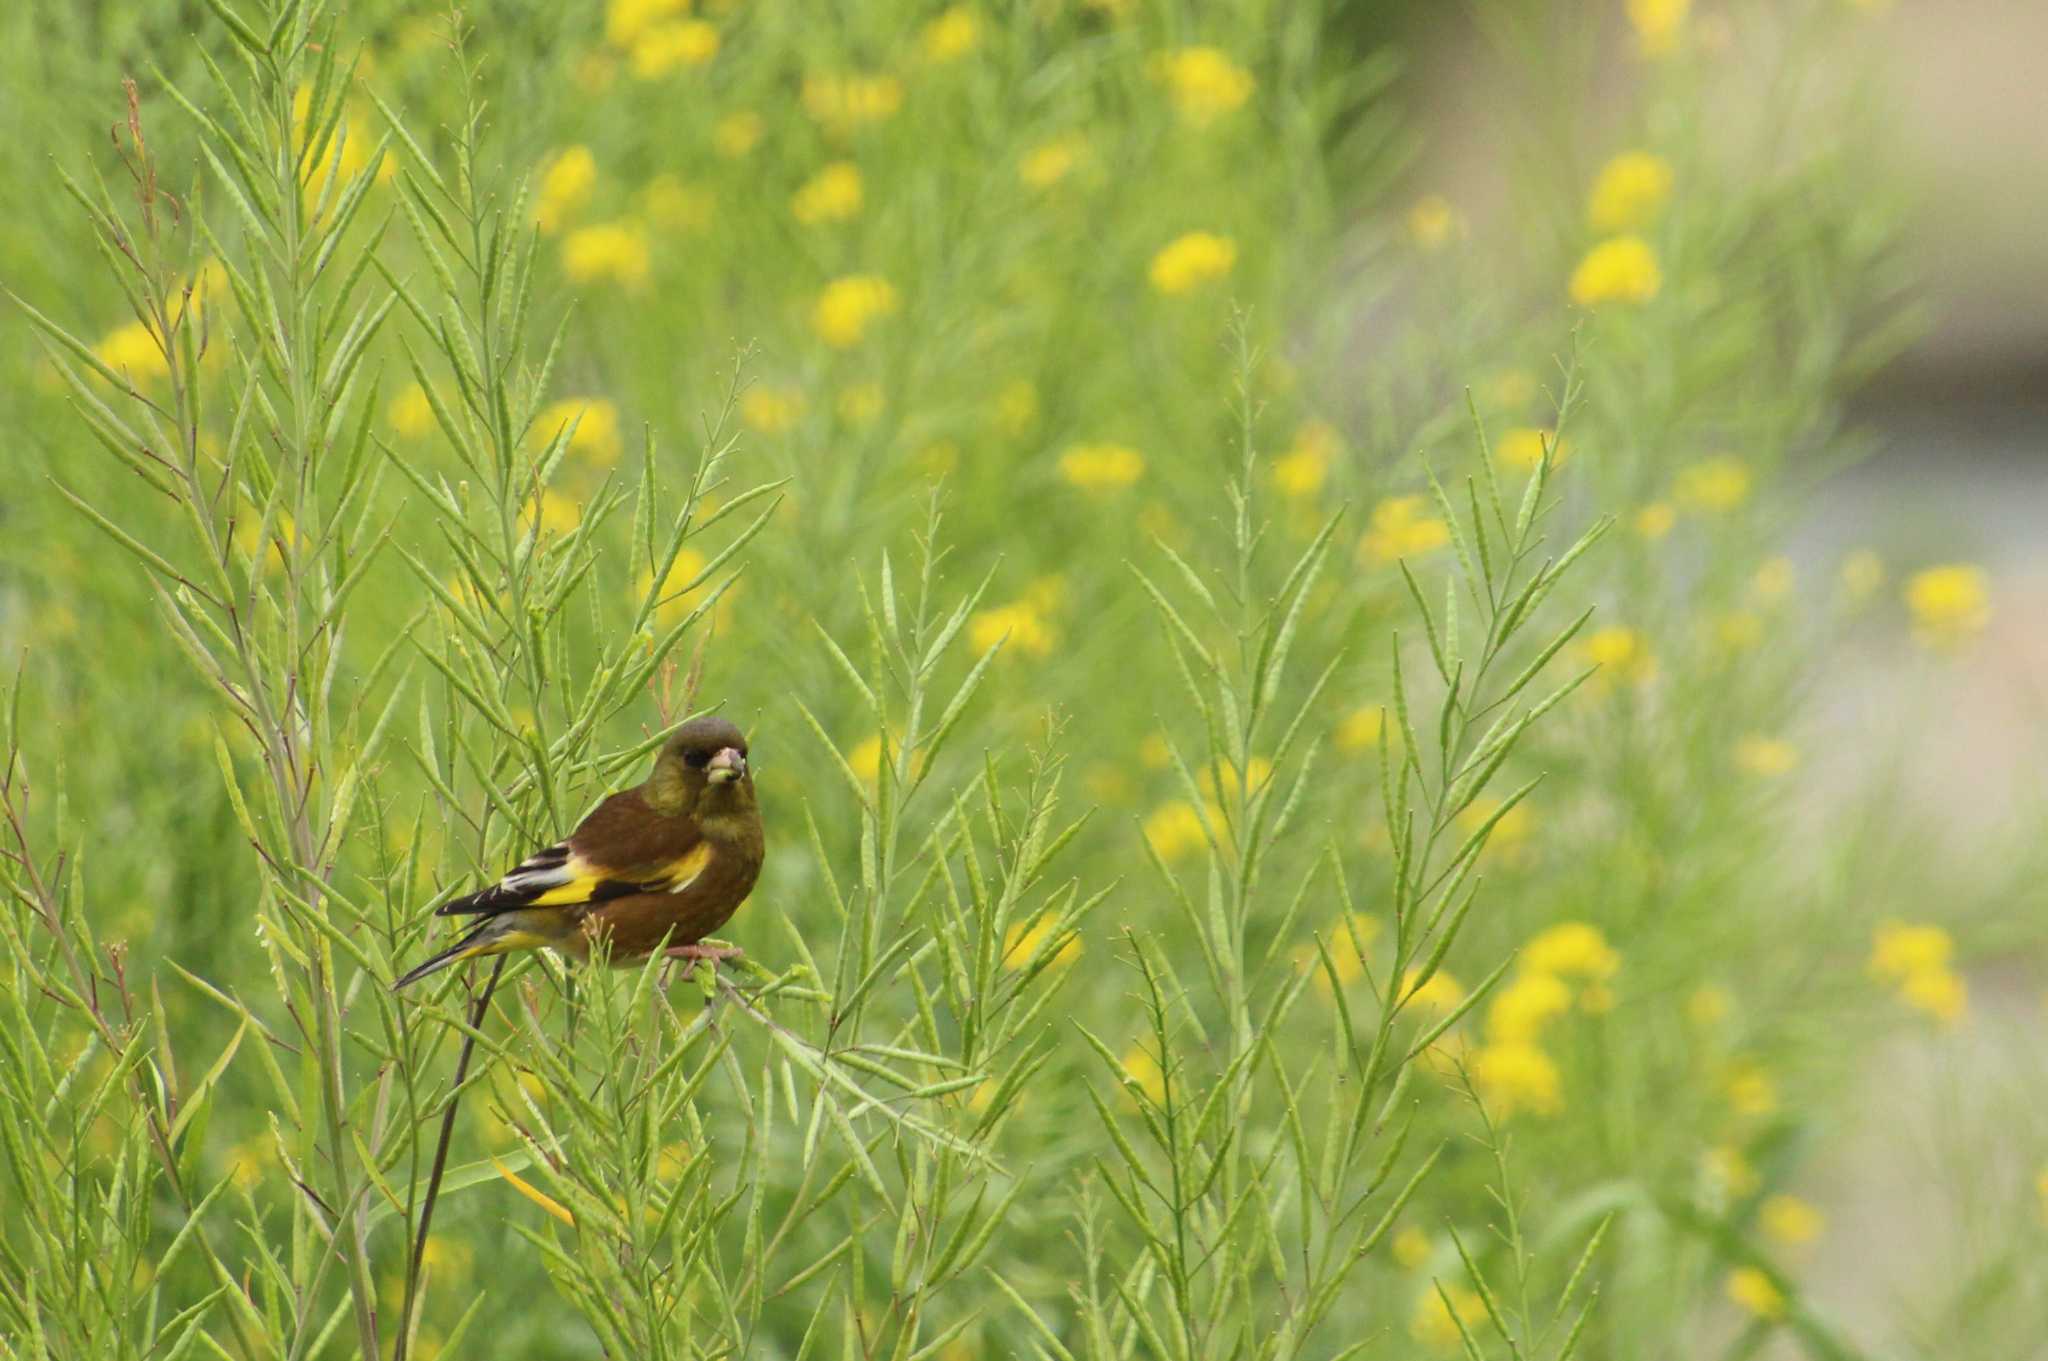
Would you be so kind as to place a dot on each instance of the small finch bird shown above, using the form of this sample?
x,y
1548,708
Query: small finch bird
x,y
664,864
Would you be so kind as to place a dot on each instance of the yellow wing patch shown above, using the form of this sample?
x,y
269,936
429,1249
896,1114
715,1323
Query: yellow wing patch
x,y
584,878
684,871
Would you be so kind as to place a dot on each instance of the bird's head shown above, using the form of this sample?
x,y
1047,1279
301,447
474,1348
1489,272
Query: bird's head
x,y
702,768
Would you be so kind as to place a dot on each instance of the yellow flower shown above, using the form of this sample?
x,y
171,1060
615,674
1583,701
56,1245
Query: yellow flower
x,y
552,512
1571,950
1654,521
843,104
1189,261
1790,1220
1657,24
1765,757
409,414
1510,835
249,1160
613,250
1630,191
940,458
1154,753
596,422
849,305
1519,1012
1938,992
567,179
1862,574
669,202
1708,1006
1517,1076
1436,1324
1411,1247
1774,579
1752,1289
771,410
1101,467
1619,269
1401,527
1300,472
1017,407
626,20
1950,604
669,46
676,597
1203,83
1901,950
1020,622
1621,654
1141,1072
1360,729
737,134
1749,1089
132,350
860,404
1022,940
832,195
1433,221
1174,829
1522,447
1439,996
1344,939
1713,484
1739,631
952,35
1050,162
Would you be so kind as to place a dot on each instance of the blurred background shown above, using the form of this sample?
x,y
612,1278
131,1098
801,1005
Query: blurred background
x,y
998,252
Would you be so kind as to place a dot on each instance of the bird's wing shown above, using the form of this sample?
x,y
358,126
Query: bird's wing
x,y
623,847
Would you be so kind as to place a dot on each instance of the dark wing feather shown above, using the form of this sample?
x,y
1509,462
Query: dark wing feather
x,y
623,847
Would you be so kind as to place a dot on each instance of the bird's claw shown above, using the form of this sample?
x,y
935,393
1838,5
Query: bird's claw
x,y
715,953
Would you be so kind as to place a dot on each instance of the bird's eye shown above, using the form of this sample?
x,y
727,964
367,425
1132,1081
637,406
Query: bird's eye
x,y
700,759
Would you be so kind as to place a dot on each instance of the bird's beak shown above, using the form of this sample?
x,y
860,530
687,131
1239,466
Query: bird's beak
x,y
727,765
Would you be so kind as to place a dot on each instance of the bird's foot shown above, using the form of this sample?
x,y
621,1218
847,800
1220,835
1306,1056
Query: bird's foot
x,y
714,953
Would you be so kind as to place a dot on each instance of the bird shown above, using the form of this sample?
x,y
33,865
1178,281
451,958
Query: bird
x,y
658,866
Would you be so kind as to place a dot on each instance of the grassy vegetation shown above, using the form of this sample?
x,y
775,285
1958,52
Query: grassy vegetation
x,y
1286,833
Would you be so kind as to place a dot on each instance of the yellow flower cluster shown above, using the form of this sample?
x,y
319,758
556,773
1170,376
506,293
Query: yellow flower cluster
x,y
1187,262
567,180
1174,829
1522,448
1713,485
1765,757
410,415
1622,655
1750,1288
1101,467
842,104
1619,269
658,36
1302,470
1658,24
608,251
596,422
770,410
1203,83
1512,1070
1433,221
1401,527
955,33
1021,626
737,133
1915,960
834,194
1629,193
1049,162
1950,604
1441,1311
1022,941
849,305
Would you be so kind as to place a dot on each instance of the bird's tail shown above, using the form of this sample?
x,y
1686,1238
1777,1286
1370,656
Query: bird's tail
x,y
492,936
